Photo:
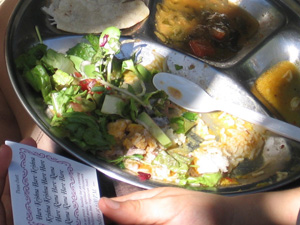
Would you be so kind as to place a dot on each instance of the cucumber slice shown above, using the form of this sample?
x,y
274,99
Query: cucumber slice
x,y
112,105
154,129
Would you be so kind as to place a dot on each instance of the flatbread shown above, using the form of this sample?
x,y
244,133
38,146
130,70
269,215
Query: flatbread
x,y
93,16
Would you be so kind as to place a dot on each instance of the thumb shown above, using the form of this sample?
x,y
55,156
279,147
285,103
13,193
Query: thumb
x,y
5,159
130,211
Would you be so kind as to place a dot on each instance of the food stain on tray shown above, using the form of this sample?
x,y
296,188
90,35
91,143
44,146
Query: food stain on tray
x,y
214,30
279,89
175,92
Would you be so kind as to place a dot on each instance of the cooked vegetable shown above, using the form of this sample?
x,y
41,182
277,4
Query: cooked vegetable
x,y
154,129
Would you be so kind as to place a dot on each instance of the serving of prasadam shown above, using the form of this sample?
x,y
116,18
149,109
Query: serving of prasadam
x,y
90,89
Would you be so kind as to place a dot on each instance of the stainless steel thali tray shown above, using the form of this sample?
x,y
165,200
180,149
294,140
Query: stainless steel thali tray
x,y
278,39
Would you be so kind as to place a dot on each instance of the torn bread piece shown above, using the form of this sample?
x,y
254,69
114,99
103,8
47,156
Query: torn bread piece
x,y
93,16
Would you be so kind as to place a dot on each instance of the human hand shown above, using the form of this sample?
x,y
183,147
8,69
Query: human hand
x,y
166,206
5,203
180,206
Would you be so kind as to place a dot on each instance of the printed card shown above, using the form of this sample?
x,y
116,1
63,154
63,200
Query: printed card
x,y
47,188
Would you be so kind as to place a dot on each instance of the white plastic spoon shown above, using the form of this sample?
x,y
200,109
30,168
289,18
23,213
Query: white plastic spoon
x,y
192,97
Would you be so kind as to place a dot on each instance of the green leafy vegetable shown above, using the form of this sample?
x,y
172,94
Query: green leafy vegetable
x,y
82,50
83,130
93,40
178,67
175,162
110,40
120,160
39,79
61,79
209,179
31,58
184,123
61,99
54,60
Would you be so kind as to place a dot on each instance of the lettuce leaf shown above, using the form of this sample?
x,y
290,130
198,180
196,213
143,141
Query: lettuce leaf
x,y
54,60
82,50
184,123
208,179
61,79
173,161
84,130
39,79
30,59
61,99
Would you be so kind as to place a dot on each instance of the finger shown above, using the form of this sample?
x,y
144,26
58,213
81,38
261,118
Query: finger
x,y
5,159
2,215
164,191
6,156
145,211
6,200
29,141
139,195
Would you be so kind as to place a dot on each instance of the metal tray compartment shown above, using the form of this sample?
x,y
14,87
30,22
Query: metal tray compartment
x,y
269,15
285,45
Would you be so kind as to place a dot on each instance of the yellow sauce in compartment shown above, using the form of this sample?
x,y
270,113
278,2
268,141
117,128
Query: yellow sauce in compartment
x,y
280,88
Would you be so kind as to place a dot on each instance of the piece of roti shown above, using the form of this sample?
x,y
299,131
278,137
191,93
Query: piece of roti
x,y
93,16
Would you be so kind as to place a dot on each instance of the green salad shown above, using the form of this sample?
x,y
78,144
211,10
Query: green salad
x,y
108,106
84,88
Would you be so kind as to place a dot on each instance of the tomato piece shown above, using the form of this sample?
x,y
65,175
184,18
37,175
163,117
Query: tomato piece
x,y
144,176
87,84
77,74
201,48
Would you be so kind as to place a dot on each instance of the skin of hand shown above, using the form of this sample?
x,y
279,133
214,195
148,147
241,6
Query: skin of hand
x,y
5,203
165,206
181,206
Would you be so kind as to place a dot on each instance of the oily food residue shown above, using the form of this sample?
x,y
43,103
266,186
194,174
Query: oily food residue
x,y
174,92
210,29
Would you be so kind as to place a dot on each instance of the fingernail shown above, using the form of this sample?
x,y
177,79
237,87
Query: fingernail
x,y
111,203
